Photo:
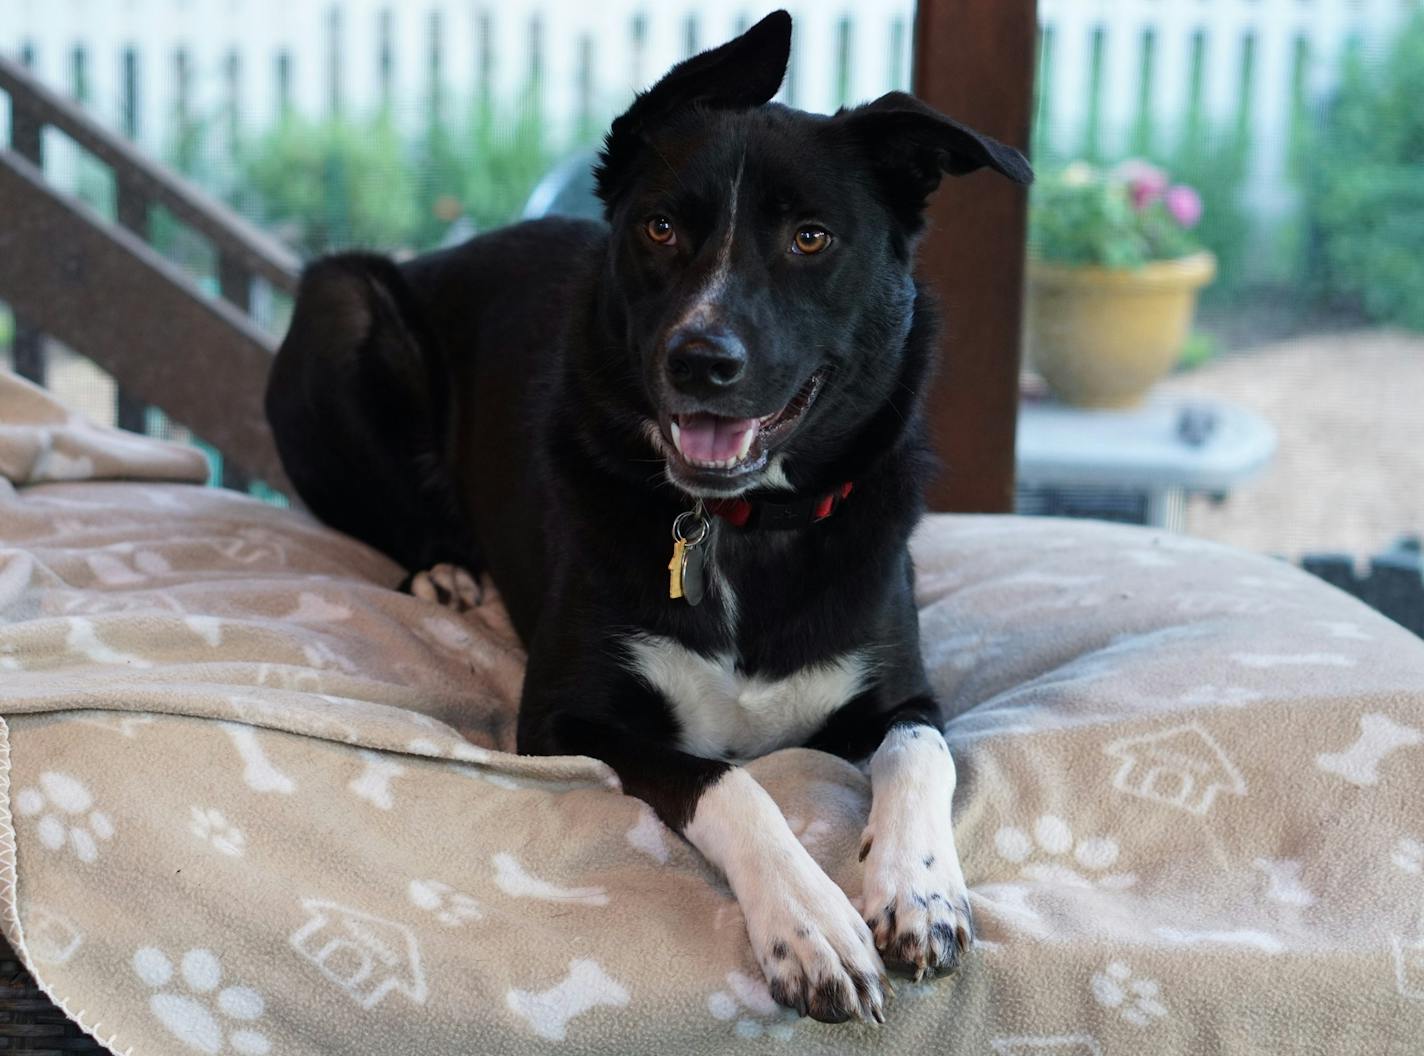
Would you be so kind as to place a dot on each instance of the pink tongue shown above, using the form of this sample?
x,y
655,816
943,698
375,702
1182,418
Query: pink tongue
x,y
708,438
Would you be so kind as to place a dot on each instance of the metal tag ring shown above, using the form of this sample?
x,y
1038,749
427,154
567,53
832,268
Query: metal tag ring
x,y
701,528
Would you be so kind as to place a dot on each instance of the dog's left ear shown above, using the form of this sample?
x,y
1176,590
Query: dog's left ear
x,y
742,73
913,145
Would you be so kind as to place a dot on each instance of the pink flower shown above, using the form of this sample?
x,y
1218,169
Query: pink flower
x,y
1184,204
1145,181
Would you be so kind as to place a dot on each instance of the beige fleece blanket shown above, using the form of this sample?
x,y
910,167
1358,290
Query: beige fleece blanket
x,y
255,801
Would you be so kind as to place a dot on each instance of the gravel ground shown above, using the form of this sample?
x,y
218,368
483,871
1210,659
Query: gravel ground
x,y
1348,474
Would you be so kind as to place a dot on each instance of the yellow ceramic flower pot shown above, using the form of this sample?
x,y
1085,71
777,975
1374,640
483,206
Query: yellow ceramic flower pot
x,y
1101,337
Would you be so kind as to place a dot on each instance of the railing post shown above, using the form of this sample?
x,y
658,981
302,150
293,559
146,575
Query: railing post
x,y
26,132
132,210
235,284
27,140
28,352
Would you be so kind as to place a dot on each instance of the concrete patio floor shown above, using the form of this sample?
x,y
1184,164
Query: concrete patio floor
x,y
1348,474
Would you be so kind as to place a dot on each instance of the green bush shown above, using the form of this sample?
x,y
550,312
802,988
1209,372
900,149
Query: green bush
x,y
1365,185
333,184
1214,162
325,185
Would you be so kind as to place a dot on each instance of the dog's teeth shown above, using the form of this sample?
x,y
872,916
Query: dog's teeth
x,y
746,445
677,436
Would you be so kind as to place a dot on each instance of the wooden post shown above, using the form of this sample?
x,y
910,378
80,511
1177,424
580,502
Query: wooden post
x,y
974,61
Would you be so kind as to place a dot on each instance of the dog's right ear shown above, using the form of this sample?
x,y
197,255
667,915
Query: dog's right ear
x,y
742,73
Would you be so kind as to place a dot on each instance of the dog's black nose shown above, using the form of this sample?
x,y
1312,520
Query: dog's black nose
x,y
701,362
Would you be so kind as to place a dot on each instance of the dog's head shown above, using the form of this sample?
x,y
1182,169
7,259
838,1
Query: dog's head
x,y
762,257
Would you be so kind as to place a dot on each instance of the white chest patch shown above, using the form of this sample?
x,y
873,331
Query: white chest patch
x,y
725,713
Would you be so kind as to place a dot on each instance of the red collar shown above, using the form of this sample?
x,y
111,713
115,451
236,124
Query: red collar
x,y
802,513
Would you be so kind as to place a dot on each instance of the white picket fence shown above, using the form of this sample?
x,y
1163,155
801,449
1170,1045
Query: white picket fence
x,y
245,56
1260,61
142,63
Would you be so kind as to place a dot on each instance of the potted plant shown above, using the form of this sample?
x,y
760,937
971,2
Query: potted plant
x,y
1113,277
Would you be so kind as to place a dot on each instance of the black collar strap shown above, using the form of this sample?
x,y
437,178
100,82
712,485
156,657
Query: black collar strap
x,y
778,516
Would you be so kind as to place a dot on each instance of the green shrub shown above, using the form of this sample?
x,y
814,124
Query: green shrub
x,y
1365,185
1214,162
333,184
325,185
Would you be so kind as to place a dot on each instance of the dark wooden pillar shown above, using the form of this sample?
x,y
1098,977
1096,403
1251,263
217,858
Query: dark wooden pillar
x,y
974,60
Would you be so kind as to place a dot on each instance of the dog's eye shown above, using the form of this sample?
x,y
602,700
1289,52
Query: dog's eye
x,y
661,231
810,240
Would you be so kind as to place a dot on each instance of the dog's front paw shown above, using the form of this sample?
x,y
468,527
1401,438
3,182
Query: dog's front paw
x,y
916,904
447,585
818,956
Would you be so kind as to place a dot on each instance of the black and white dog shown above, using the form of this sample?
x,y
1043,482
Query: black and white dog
x,y
688,445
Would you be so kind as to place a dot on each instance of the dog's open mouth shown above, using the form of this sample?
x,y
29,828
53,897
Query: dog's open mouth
x,y
709,445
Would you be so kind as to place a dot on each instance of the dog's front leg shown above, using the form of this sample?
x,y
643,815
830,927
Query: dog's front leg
x,y
817,953
915,899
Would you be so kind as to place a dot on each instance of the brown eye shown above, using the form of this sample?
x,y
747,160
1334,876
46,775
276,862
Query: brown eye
x,y
660,230
810,240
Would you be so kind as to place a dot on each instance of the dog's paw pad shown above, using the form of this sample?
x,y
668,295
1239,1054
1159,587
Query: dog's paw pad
x,y
825,966
916,904
448,585
924,933
833,998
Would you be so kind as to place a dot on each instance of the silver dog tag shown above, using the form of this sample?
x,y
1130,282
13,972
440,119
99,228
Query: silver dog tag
x,y
694,582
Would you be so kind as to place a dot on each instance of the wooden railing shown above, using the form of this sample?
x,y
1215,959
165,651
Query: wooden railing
x,y
102,288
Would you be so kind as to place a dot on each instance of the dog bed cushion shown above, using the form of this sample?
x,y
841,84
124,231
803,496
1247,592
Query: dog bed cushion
x,y
256,801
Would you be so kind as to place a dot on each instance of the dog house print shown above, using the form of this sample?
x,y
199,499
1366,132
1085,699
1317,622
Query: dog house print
x,y
365,956
1181,767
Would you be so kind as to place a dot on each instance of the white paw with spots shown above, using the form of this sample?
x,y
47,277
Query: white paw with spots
x,y
1137,1000
63,809
212,827
196,1008
913,895
1051,855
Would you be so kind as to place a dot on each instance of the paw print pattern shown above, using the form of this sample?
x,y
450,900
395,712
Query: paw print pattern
x,y
211,826
1408,855
1136,1000
450,907
206,1018
748,1005
63,806
1044,855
